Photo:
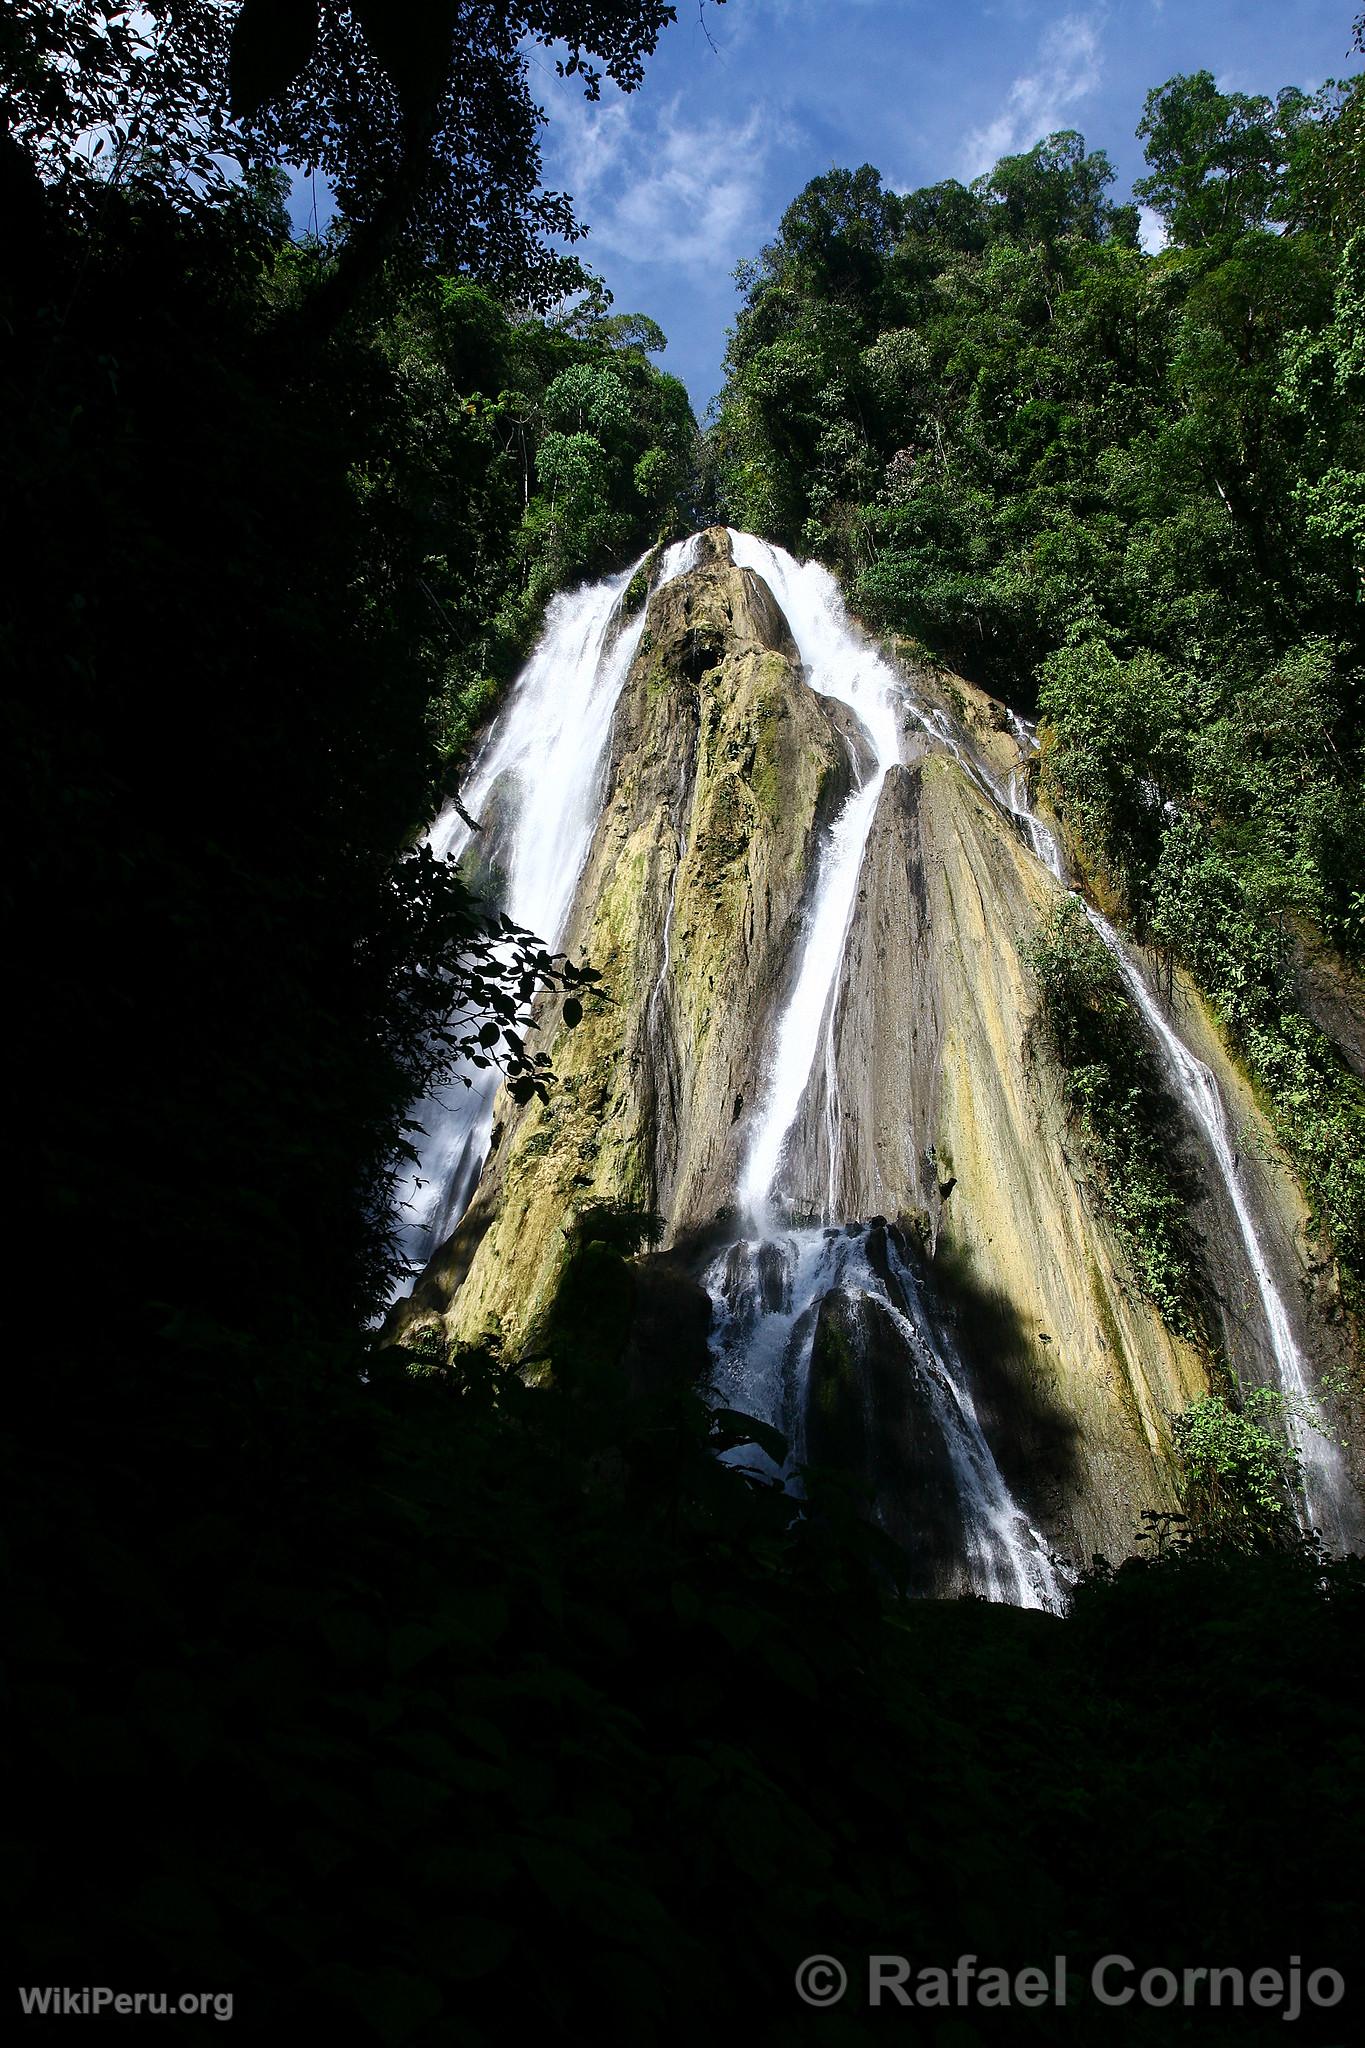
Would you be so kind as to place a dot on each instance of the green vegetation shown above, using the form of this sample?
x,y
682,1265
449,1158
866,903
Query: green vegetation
x,y
398,1707
1126,489
392,1694
562,450
1237,1466
1119,1111
265,576
637,590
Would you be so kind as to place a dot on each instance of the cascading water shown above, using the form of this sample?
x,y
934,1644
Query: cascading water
x,y
821,1319
1042,842
841,666
767,1290
537,787
768,1296
1321,1466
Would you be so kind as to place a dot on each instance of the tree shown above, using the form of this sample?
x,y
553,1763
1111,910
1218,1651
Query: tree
x,y
946,214
418,113
837,234
1218,159
95,90
1054,189
587,398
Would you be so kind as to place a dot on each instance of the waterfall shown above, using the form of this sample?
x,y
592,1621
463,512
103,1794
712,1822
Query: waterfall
x,y
1322,1468
1042,843
768,1296
1006,1557
825,1323
768,1290
536,785
841,665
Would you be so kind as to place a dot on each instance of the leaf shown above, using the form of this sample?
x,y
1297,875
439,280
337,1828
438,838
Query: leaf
x,y
272,41
415,45
573,1012
729,1427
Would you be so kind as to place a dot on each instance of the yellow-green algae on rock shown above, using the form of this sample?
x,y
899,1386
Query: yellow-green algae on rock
x,y
724,765
724,768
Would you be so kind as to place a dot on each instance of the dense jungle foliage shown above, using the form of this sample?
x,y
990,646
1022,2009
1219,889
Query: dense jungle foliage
x,y
263,582
400,1710
401,1700
1128,490
1118,1109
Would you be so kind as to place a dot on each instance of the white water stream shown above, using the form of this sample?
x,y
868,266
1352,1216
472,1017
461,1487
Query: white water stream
x,y
767,1289
541,769
840,664
1321,1465
1323,1481
767,1297
539,781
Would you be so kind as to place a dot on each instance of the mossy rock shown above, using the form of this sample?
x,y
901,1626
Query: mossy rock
x,y
636,592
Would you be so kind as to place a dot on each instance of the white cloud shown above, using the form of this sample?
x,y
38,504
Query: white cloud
x,y
1151,231
663,189
743,18
1067,70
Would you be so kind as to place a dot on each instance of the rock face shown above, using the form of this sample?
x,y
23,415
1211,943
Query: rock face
x,y
931,1105
946,1118
869,1414
724,768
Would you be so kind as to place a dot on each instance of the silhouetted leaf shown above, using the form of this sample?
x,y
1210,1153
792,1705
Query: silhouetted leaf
x,y
272,41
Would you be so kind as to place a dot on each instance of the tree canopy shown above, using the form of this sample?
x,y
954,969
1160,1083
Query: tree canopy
x,y
417,112
1218,159
1127,489
345,548
391,1694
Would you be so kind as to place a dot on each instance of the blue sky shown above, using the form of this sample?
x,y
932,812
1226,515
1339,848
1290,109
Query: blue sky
x,y
683,178
740,108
